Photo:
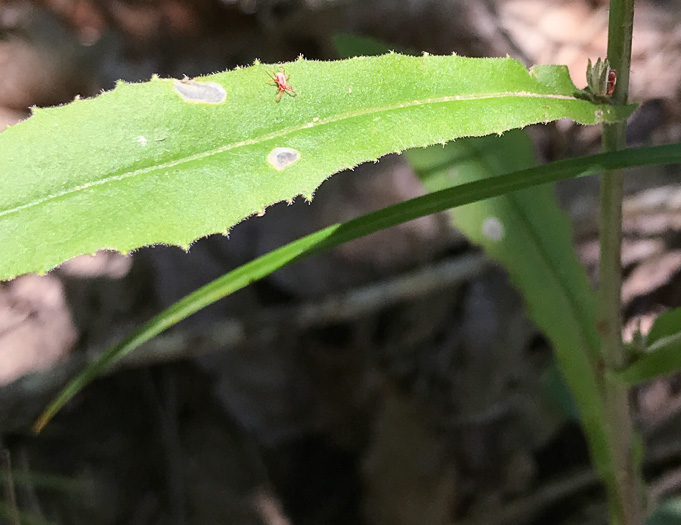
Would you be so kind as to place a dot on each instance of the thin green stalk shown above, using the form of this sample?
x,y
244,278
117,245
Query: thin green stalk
x,y
627,507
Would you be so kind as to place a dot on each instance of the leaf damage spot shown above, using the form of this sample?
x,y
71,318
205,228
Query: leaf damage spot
x,y
493,229
200,92
282,158
142,141
599,115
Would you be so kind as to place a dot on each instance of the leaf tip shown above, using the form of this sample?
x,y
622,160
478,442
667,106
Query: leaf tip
x,y
40,424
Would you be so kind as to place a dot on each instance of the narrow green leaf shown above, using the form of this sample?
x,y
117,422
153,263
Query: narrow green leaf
x,y
662,350
668,513
531,237
666,325
26,518
526,231
340,233
170,161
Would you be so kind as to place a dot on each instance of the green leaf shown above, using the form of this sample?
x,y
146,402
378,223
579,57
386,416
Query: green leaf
x,y
666,325
668,513
340,233
662,350
170,161
525,231
25,518
531,237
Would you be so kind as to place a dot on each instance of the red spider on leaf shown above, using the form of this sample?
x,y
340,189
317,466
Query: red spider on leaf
x,y
280,79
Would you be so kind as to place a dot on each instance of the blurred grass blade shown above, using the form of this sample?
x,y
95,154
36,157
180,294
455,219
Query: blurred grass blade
x,y
668,513
26,518
666,325
170,161
662,350
340,233
531,237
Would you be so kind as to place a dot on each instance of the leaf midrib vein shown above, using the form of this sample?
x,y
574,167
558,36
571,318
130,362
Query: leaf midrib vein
x,y
281,133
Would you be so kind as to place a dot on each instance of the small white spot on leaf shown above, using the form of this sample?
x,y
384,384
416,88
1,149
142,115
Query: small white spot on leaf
x,y
200,92
453,173
142,141
598,114
261,213
282,158
493,229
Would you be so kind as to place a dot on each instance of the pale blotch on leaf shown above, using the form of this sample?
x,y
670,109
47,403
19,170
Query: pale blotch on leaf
x,y
200,92
453,173
282,158
493,229
598,114
142,141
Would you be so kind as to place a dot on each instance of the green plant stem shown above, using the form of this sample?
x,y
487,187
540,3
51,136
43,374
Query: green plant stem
x,y
627,508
